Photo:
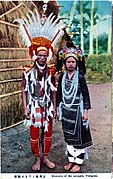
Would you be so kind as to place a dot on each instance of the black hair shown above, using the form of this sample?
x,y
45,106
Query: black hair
x,y
80,64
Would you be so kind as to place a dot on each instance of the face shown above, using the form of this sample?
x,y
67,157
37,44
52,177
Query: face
x,y
70,63
41,57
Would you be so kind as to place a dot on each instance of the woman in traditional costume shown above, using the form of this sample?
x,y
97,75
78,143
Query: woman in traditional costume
x,y
73,101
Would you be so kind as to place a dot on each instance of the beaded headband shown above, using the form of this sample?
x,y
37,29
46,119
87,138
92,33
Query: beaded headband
x,y
65,52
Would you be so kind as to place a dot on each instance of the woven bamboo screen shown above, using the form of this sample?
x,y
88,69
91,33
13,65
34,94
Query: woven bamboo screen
x,y
13,55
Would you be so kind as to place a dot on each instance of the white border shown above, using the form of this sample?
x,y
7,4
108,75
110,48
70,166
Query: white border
x,y
57,175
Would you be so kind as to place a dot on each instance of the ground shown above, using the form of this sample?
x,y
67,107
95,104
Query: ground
x,y
16,156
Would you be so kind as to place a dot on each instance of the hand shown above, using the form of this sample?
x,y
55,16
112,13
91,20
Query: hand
x,y
85,115
57,114
54,113
26,112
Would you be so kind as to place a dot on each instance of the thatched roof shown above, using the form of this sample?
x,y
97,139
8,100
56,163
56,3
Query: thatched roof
x,y
9,11
8,30
6,6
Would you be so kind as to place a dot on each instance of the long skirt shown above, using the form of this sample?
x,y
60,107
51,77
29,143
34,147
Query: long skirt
x,y
77,136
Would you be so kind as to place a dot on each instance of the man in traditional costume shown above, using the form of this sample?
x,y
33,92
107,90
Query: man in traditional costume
x,y
74,101
39,89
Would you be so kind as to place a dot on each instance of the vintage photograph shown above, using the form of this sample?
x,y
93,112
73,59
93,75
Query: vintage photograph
x,y
56,89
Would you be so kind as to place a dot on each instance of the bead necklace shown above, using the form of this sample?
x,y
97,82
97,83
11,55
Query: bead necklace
x,y
40,67
71,93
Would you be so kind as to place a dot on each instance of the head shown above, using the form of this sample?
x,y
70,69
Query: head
x,y
41,49
41,57
66,54
70,63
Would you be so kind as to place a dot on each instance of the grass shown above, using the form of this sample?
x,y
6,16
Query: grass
x,y
96,77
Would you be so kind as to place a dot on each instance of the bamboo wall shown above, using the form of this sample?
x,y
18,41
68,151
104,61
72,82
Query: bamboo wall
x,y
11,62
13,55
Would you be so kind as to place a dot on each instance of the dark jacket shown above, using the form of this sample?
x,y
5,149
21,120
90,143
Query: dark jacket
x,y
82,88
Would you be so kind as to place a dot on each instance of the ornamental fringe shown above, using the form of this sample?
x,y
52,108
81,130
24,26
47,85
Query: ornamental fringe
x,y
46,99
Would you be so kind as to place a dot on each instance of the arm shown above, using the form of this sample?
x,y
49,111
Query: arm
x,y
59,95
59,91
86,97
24,97
54,96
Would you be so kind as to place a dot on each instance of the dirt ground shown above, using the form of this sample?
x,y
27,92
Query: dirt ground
x,y
16,154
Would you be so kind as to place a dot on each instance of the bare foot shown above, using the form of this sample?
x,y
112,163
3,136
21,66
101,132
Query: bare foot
x,y
47,162
76,168
68,166
36,166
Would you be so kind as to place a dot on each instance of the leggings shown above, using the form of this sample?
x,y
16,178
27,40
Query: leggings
x,y
35,143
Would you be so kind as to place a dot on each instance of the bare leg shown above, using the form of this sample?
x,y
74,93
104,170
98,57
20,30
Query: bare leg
x,y
36,166
47,162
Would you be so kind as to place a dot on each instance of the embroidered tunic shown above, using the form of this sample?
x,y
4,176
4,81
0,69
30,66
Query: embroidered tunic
x,y
39,87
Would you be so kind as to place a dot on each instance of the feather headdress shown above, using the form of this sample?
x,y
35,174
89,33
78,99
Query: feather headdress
x,y
37,36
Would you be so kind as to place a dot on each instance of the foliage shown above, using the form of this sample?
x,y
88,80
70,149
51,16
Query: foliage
x,y
99,68
102,45
75,27
86,11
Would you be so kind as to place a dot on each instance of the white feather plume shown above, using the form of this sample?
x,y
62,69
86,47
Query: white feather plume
x,y
23,33
61,33
33,25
